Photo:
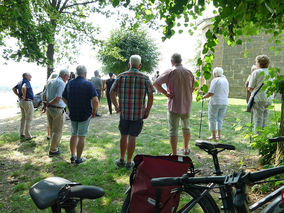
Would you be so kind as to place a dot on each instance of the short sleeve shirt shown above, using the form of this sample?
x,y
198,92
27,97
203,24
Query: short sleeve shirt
x,y
54,89
257,79
29,93
97,83
220,88
79,94
179,81
131,88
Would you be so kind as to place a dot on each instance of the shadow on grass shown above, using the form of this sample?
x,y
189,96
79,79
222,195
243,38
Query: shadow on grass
x,y
28,163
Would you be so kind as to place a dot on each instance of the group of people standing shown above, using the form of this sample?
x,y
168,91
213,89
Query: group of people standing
x,y
131,89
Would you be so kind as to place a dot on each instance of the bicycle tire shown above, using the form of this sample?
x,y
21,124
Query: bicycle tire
x,y
207,203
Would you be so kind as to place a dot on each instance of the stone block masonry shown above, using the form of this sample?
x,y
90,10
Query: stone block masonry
x,y
237,67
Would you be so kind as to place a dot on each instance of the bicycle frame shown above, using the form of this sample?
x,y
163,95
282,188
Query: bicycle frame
x,y
231,203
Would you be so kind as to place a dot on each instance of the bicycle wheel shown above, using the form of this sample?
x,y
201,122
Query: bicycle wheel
x,y
205,205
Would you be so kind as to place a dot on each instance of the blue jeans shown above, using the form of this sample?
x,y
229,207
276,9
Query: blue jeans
x,y
215,116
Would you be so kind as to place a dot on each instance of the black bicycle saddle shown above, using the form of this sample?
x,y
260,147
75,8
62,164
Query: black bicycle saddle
x,y
210,145
45,192
276,139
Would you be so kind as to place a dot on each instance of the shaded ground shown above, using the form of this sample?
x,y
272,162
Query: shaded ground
x,y
24,163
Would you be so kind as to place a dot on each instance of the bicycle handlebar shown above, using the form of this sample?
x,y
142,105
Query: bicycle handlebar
x,y
247,177
257,176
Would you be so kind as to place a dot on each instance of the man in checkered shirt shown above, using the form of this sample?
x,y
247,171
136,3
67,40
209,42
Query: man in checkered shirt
x,y
131,87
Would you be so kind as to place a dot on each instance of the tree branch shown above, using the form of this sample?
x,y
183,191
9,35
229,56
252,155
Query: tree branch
x,y
63,6
74,14
58,5
82,3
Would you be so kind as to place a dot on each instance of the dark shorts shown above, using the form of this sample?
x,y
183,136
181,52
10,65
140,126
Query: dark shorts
x,y
128,127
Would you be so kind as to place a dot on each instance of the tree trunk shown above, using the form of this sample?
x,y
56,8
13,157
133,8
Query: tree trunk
x,y
50,51
50,57
280,145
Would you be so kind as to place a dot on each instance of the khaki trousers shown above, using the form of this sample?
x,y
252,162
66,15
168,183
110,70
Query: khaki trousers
x,y
56,118
27,111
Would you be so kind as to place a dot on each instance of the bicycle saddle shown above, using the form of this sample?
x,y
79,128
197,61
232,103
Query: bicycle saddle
x,y
210,145
45,192
276,139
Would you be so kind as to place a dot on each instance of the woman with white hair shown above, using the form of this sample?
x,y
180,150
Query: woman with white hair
x,y
218,93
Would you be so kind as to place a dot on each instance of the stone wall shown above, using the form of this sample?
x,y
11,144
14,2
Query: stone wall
x,y
237,67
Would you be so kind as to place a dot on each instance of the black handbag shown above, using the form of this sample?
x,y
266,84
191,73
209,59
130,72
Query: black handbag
x,y
251,99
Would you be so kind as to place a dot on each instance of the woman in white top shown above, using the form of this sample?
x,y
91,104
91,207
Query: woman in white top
x,y
218,93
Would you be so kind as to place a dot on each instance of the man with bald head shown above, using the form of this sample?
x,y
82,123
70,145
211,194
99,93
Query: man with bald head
x,y
131,87
24,91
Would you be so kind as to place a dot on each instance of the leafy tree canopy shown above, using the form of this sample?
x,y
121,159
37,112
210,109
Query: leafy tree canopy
x,y
48,31
123,43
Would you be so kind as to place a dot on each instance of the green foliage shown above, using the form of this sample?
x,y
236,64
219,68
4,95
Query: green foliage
x,y
123,43
261,136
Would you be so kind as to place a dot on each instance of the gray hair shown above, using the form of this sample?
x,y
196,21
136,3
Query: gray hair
x,y
97,73
63,72
81,70
135,60
176,58
52,76
218,71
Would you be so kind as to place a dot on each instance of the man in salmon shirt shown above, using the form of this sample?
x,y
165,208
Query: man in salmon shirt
x,y
179,81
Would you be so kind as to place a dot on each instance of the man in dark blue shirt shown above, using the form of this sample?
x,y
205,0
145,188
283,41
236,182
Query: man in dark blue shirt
x,y
81,98
25,94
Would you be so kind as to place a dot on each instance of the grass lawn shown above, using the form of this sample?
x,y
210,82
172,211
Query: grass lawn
x,y
24,163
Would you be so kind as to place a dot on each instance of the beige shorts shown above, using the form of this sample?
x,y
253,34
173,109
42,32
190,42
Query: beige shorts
x,y
174,119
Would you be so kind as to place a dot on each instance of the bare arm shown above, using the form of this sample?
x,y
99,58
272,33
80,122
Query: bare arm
x,y
65,101
209,94
162,90
95,101
149,105
24,92
113,100
15,91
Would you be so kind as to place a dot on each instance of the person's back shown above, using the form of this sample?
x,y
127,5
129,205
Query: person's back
x,y
180,84
132,90
79,98
109,83
221,91
97,82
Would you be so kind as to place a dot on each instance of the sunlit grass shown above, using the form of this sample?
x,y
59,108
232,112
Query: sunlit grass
x,y
24,163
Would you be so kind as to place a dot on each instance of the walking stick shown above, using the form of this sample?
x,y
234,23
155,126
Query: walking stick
x,y
201,114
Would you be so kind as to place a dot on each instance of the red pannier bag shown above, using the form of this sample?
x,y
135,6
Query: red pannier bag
x,y
143,194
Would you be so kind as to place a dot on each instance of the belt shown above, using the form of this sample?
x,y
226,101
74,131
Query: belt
x,y
52,106
27,99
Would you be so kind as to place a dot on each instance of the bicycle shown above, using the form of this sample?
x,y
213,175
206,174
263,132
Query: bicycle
x,y
59,193
232,188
